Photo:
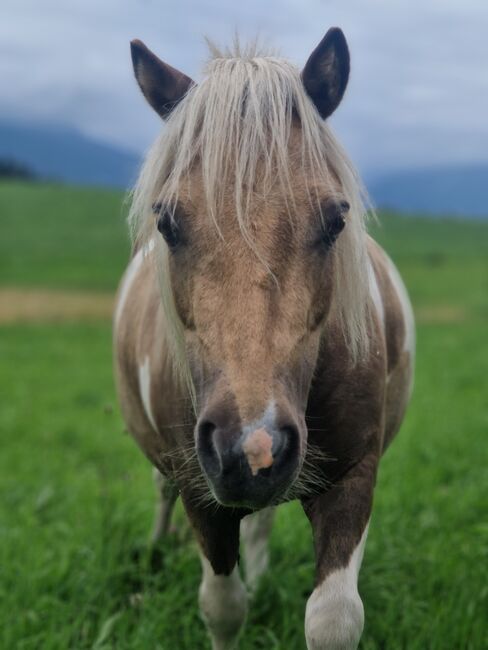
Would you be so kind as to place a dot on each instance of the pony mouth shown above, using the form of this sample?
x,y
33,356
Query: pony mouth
x,y
255,501
266,487
310,477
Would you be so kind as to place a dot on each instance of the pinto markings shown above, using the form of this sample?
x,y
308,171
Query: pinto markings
x,y
408,317
129,277
334,617
145,390
220,336
223,605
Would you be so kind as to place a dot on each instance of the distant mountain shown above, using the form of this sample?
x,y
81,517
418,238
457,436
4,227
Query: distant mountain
x,y
67,155
460,190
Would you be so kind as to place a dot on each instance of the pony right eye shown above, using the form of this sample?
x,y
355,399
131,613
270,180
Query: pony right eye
x,y
333,222
169,229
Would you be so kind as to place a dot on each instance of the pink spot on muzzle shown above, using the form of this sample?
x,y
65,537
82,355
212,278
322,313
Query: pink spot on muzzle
x,y
257,449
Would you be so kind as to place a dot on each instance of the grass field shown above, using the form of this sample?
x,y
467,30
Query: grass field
x,y
77,497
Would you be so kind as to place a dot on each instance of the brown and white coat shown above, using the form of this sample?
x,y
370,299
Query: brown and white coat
x,y
283,402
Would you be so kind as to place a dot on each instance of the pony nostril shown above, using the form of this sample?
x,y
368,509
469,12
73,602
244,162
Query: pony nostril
x,y
206,429
286,445
206,446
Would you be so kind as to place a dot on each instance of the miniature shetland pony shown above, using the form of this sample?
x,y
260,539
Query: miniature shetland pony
x,y
263,341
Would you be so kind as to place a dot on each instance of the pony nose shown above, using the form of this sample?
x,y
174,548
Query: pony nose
x,y
259,447
247,465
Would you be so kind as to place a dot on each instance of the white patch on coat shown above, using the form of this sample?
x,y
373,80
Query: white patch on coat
x,y
223,605
334,617
258,445
408,317
145,391
255,532
266,421
376,294
129,277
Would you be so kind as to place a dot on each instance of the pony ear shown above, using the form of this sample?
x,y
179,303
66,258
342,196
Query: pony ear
x,y
161,85
326,72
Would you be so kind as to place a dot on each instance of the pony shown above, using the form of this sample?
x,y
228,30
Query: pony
x,y
264,343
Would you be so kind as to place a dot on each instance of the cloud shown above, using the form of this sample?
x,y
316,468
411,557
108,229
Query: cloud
x,y
418,93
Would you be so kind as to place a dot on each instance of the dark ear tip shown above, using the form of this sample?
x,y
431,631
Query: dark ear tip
x,y
336,35
137,47
336,31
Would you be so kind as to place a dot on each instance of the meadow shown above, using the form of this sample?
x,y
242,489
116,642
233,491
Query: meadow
x,y
76,496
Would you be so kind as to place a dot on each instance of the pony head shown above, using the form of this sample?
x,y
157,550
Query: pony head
x,y
259,225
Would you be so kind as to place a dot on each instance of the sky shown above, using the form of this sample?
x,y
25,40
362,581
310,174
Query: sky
x,y
417,96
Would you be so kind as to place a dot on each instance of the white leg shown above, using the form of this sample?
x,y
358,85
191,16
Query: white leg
x,y
223,606
334,617
255,532
167,495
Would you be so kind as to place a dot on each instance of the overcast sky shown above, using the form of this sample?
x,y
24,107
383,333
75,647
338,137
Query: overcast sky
x,y
418,92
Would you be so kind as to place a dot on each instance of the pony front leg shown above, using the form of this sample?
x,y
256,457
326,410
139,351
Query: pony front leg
x,y
222,596
334,616
223,605
255,532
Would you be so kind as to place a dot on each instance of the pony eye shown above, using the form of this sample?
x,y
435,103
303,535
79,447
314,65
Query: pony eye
x,y
332,230
333,222
167,226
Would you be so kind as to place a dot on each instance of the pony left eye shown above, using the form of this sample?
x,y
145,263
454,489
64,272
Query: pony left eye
x,y
168,227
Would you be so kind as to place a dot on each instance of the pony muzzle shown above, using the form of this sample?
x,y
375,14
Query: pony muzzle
x,y
249,466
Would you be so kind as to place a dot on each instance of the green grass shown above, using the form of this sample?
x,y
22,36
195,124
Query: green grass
x,y
444,261
61,237
76,497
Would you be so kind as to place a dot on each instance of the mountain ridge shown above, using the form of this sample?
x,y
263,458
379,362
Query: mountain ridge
x,y
453,189
66,155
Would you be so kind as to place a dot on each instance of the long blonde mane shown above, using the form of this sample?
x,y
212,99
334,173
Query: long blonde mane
x,y
238,118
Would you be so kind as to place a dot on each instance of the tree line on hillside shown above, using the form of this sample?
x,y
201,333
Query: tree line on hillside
x,y
14,170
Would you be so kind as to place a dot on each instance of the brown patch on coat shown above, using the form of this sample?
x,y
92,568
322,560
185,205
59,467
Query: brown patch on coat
x,y
340,515
217,531
353,411
398,393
